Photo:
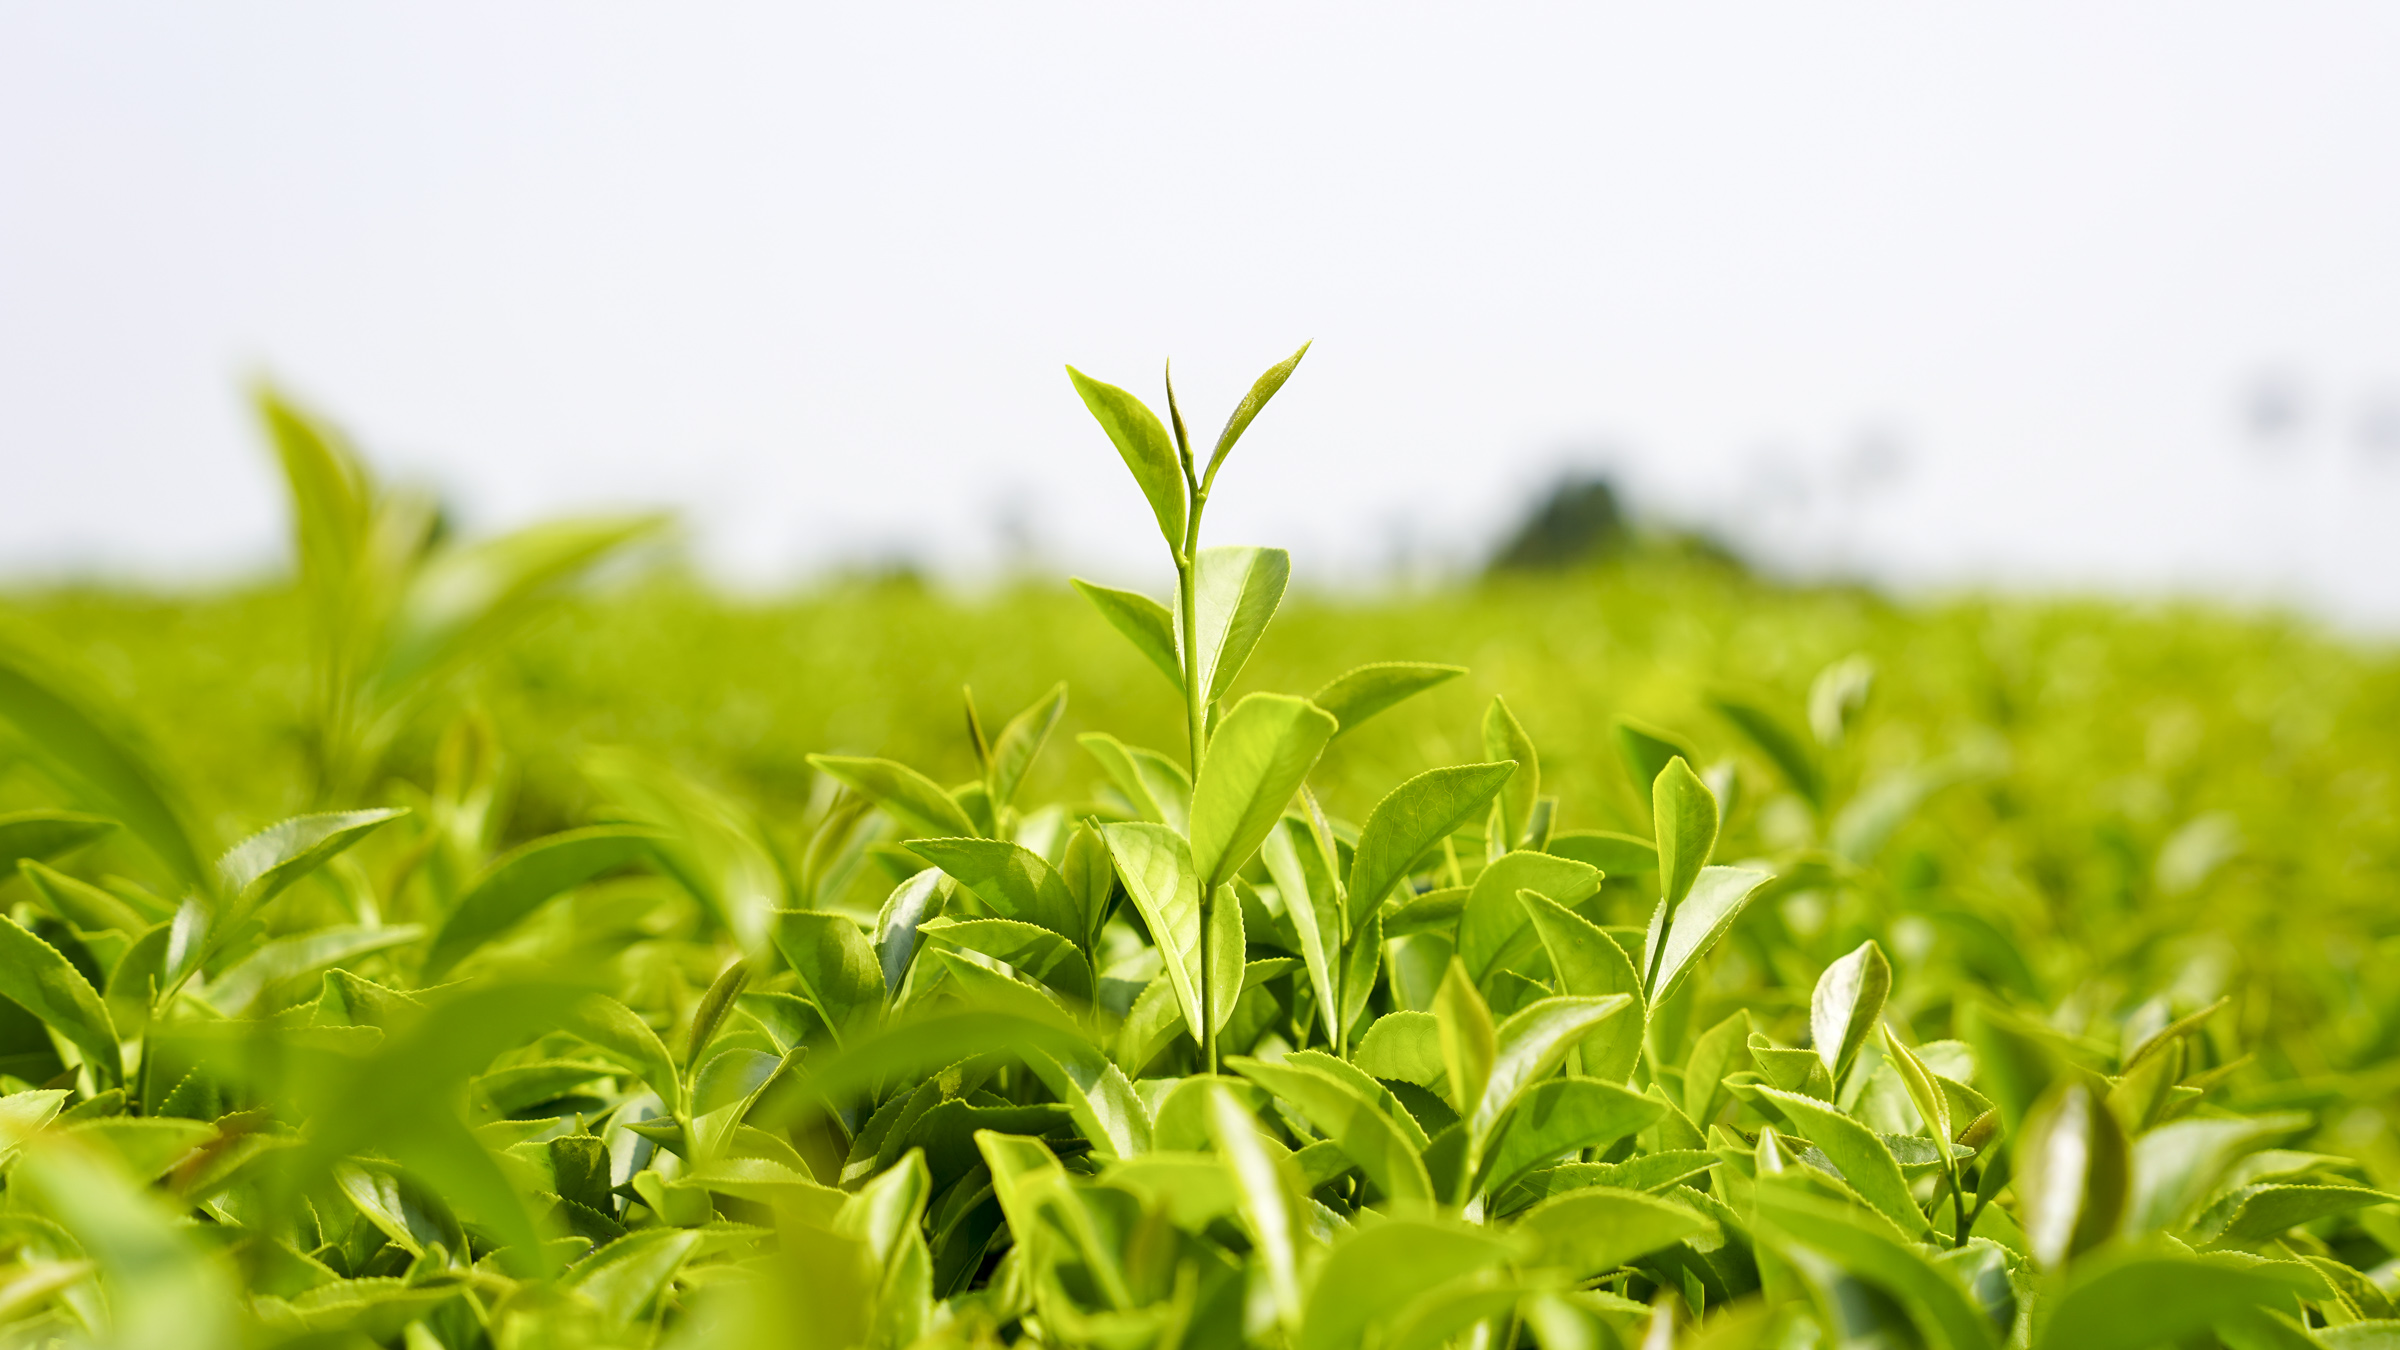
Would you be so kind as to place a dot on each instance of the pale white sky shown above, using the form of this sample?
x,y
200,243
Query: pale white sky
x,y
2035,294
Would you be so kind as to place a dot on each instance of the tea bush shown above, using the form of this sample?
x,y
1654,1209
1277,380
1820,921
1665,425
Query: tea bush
x,y
1712,966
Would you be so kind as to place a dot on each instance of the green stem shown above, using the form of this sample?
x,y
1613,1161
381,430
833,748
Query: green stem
x,y
1195,706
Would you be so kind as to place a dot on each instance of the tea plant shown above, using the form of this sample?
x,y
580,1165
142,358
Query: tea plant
x,y
1190,1061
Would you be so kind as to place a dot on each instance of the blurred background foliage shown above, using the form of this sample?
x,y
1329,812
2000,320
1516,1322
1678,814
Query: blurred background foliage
x,y
2172,796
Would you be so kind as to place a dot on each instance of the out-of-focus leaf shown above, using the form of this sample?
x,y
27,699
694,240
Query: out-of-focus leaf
x,y
1014,749
1267,1200
80,737
80,903
1380,1266
1942,1311
1646,751
1778,742
466,599
2145,1299
44,835
527,877
165,1289
282,962
36,978
2072,1174
2177,1166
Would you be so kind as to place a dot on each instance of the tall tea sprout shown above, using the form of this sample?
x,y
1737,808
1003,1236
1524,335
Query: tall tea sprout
x,y
1225,595
1224,599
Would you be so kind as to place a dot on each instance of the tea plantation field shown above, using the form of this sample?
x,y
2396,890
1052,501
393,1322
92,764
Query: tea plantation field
x,y
442,952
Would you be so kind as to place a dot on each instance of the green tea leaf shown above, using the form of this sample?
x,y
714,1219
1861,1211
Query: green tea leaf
x,y
36,978
2072,1174
1236,591
2176,1166
900,924
2147,1299
1778,742
1843,1010
1865,1161
1022,739
1942,1311
1012,879
1372,1138
1267,1200
835,965
1613,854
80,903
1256,760
1527,1047
1590,964
1378,1267
1155,864
1492,925
1414,817
93,746
1246,411
527,877
1716,900
1557,1117
44,835
915,800
1308,897
1686,815
1645,751
2267,1211
1157,786
1505,739
1591,1232
1470,1043
1098,1096
1144,622
1142,441
260,867
1404,1045
1359,694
